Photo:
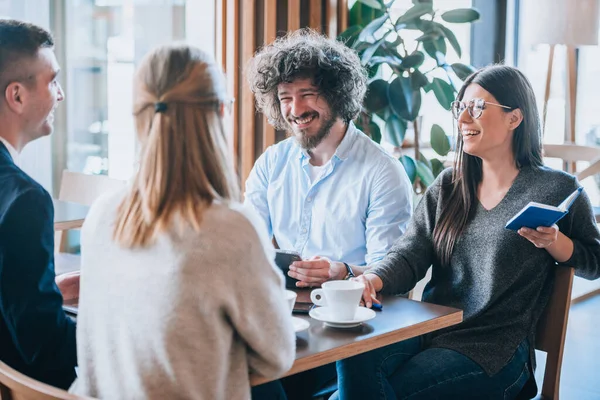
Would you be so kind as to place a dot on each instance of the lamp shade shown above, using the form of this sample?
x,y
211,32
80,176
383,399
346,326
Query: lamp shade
x,y
570,22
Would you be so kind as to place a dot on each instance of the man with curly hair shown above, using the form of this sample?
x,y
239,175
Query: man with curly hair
x,y
328,192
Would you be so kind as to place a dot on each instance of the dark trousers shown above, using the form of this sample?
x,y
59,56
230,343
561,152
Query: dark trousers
x,y
405,370
300,386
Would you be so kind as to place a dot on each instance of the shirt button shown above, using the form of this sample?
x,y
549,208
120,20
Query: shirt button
x,y
303,230
309,199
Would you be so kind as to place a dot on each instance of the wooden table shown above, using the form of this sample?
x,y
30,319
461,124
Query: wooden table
x,y
400,319
68,215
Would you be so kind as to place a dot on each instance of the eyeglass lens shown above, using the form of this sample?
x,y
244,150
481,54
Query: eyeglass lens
x,y
474,107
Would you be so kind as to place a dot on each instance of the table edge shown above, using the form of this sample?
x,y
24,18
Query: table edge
x,y
363,346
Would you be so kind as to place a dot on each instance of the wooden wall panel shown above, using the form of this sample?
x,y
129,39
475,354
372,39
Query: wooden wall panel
x,y
270,33
293,13
247,109
315,20
245,26
231,16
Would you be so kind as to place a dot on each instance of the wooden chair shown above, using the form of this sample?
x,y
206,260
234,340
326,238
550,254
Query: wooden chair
x,y
83,189
571,153
552,330
17,386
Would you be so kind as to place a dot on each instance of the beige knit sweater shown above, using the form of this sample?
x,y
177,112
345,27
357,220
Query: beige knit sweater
x,y
186,318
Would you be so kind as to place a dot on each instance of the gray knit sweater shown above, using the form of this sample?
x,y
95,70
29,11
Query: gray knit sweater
x,y
499,279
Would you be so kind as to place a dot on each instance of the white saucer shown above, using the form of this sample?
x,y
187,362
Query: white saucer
x,y
300,324
323,314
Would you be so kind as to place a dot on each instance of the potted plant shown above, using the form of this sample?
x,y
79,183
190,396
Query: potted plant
x,y
394,103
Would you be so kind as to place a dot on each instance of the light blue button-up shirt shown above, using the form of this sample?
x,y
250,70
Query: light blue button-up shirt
x,y
353,212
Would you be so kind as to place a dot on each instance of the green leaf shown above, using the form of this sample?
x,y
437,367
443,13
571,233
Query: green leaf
x,y
377,98
419,79
452,39
375,132
371,3
414,60
425,173
436,48
372,70
350,35
361,14
462,70
436,167
439,140
461,15
404,101
370,52
410,167
444,93
415,12
389,60
372,27
384,113
395,128
424,159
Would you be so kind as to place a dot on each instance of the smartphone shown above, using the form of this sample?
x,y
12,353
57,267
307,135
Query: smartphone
x,y
283,259
302,308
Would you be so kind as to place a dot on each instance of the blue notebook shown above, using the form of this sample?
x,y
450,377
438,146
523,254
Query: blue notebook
x,y
535,214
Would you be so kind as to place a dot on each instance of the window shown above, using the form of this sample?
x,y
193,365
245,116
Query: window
x,y
104,40
36,158
533,61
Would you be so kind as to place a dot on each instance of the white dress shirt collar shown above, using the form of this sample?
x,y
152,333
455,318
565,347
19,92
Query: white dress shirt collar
x,y
11,150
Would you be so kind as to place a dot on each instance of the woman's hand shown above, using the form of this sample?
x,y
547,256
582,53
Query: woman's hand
x,y
559,246
542,237
373,284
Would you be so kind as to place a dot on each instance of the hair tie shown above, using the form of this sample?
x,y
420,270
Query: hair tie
x,y
160,107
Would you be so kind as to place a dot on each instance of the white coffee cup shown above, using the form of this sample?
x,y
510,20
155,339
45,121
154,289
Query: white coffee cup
x,y
291,299
342,298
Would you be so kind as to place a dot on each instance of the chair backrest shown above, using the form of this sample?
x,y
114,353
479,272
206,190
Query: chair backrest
x,y
85,189
17,386
573,153
552,330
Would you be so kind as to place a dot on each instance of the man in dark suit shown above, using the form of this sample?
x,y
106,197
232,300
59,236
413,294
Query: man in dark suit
x,y
36,337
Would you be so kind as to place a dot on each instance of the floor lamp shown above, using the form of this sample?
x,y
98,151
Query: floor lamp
x,y
572,23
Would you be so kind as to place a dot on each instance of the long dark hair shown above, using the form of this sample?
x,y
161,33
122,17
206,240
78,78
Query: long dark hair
x,y
511,88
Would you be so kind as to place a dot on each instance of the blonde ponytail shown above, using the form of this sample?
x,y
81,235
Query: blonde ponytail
x,y
185,164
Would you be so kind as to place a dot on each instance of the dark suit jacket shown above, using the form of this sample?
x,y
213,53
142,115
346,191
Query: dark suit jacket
x,y
36,336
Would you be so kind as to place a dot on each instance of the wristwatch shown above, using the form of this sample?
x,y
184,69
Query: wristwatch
x,y
349,273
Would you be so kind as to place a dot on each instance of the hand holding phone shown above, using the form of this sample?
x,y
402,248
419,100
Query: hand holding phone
x,y
283,259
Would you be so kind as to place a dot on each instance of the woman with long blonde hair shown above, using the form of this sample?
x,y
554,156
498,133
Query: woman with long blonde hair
x,y
176,275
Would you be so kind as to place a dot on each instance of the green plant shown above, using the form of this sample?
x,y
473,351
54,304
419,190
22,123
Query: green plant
x,y
393,103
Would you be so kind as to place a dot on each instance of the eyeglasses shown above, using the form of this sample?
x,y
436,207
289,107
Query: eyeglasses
x,y
475,107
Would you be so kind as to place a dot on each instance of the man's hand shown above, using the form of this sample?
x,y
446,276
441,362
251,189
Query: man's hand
x,y
68,284
541,237
315,271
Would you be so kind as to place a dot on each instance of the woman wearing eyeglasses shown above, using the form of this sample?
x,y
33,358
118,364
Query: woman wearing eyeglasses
x,y
500,278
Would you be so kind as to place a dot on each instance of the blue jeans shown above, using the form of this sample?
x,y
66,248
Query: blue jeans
x,y
406,370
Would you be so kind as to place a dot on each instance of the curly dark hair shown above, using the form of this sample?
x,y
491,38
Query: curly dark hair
x,y
334,68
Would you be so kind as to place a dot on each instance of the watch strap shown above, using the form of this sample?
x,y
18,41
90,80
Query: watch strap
x,y
349,272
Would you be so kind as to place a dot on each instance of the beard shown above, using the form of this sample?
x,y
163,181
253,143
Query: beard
x,y
309,142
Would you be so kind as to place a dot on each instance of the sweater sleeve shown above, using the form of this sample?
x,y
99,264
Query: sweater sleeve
x,y
412,254
580,226
259,310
